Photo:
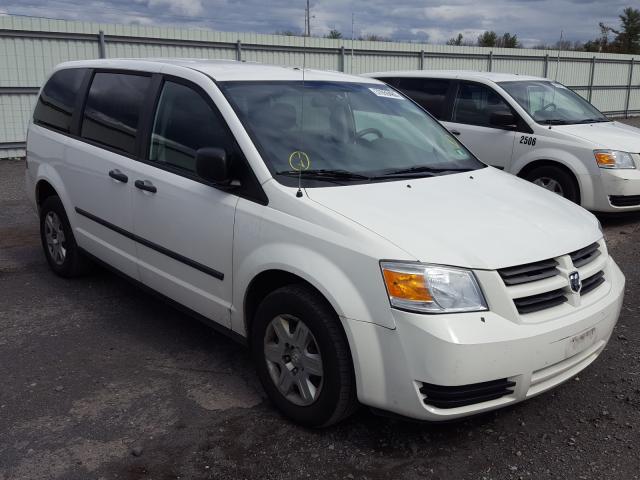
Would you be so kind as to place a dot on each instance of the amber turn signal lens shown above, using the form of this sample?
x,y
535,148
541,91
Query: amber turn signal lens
x,y
408,286
605,159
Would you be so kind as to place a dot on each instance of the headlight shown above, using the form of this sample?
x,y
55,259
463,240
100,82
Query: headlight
x,y
432,288
614,159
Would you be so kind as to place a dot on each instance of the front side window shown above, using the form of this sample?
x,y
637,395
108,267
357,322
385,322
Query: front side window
x,y
429,93
552,102
364,130
476,103
55,105
184,122
113,108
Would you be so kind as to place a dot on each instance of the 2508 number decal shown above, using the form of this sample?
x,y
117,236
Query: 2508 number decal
x,y
531,141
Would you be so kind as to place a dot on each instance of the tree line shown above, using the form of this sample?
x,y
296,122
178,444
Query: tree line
x,y
622,39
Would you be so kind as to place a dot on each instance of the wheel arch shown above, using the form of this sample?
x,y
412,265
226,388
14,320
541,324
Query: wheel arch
x,y
529,167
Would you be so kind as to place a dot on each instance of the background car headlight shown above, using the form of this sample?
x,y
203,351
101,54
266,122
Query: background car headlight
x,y
432,288
614,159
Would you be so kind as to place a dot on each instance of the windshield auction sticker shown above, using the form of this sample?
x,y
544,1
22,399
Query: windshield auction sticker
x,y
383,92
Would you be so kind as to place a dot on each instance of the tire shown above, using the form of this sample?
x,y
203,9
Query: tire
x,y
556,180
59,245
283,311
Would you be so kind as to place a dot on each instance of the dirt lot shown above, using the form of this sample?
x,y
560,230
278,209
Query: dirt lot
x,y
101,381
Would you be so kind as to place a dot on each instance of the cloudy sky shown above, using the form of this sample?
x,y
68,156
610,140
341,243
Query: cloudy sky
x,y
535,21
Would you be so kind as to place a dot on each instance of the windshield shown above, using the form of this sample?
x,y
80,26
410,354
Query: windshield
x,y
552,102
343,132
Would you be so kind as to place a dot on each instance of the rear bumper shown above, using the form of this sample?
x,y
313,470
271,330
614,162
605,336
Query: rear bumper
x,y
393,366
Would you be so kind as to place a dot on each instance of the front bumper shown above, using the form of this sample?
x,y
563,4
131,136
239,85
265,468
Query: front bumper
x,y
392,366
616,190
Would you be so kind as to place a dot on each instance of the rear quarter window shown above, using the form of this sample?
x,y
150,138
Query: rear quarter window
x,y
58,98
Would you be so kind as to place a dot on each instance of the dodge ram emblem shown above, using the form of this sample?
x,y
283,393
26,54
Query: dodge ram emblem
x,y
574,282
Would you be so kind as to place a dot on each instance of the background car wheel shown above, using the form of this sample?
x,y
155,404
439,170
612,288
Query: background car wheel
x,y
303,358
557,180
59,245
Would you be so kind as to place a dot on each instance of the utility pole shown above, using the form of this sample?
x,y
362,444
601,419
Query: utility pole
x,y
307,25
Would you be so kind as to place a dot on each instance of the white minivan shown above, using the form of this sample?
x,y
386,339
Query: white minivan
x,y
535,128
325,220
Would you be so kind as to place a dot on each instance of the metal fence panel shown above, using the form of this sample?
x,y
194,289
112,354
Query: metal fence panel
x,y
31,47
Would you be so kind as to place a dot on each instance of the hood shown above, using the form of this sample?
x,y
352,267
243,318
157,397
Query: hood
x,y
485,219
612,135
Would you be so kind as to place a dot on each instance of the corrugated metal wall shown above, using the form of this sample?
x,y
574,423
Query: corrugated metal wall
x,y
31,47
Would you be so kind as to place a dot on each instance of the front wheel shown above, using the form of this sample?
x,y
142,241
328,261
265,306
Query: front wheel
x,y
303,358
555,180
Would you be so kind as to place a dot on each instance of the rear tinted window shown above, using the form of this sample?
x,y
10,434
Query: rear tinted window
x,y
112,111
431,94
55,105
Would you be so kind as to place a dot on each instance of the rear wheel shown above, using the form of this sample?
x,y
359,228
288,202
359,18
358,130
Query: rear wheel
x,y
58,242
556,180
303,358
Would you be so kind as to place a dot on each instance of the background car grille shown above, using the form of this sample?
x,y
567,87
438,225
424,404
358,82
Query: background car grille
x,y
538,286
624,200
461,395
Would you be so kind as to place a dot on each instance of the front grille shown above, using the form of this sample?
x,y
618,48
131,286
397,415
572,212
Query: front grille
x,y
542,301
585,255
530,272
625,200
591,283
458,396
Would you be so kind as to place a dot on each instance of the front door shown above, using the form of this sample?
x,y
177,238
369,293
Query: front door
x,y
184,226
473,106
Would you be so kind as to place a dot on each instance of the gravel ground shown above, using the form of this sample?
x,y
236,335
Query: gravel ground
x,y
102,381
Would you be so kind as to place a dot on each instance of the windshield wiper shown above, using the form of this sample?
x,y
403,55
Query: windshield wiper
x,y
555,121
421,170
328,174
593,120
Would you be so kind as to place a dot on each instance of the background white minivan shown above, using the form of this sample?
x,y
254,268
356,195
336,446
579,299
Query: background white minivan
x,y
534,128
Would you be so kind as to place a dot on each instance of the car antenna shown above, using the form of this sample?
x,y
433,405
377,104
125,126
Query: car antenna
x,y
555,79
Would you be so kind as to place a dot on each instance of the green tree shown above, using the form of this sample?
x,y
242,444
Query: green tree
x,y
628,37
456,40
334,34
508,40
488,39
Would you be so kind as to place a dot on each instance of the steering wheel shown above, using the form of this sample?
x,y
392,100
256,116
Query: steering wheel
x,y
548,106
367,131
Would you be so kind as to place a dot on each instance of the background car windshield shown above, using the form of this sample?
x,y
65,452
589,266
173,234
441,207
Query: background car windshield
x,y
552,102
368,129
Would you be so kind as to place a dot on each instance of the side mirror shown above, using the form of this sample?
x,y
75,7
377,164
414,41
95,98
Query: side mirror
x,y
503,120
213,165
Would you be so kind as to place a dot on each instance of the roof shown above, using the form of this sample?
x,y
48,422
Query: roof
x,y
221,70
458,74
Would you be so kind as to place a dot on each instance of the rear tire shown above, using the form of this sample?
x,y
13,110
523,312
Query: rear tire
x,y
310,381
556,180
59,245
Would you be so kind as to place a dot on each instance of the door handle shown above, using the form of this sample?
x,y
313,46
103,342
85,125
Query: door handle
x,y
145,185
118,176
455,132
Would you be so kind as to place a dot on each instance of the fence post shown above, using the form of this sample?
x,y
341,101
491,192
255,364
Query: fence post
x,y
102,47
342,58
626,107
546,66
490,62
591,74
421,59
239,50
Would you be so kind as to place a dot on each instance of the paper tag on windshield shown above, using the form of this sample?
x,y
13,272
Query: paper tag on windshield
x,y
383,92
